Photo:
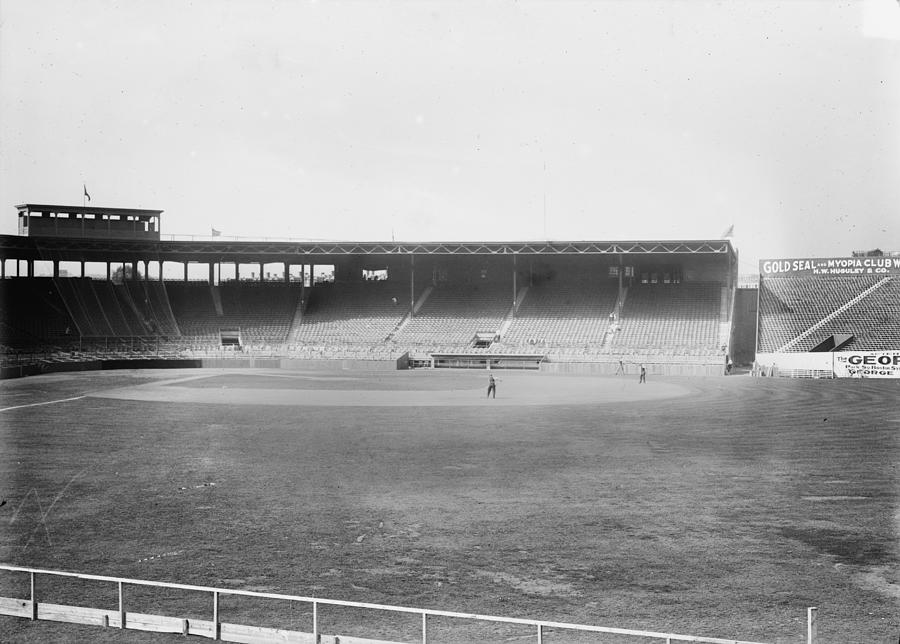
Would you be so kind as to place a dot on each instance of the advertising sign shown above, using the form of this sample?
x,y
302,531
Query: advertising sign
x,y
830,266
867,364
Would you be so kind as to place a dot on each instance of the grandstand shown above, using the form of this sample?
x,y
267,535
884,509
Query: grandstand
x,y
574,303
100,308
152,303
561,315
349,313
800,312
452,316
261,314
672,319
32,313
810,309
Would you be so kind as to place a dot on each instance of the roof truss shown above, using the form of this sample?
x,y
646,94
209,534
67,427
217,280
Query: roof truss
x,y
15,246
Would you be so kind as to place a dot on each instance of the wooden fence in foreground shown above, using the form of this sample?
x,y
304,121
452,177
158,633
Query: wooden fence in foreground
x,y
216,629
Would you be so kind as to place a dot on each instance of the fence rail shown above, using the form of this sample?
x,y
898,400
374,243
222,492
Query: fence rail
x,y
215,629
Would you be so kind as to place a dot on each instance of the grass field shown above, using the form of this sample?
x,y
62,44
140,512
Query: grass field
x,y
720,507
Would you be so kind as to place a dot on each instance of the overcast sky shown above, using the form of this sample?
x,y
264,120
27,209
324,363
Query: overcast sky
x,y
463,120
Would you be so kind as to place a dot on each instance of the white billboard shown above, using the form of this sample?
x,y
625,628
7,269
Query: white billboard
x,y
867,364
804,267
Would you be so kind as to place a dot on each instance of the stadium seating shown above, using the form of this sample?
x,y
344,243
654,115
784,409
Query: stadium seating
x,y
99,308
568,320
262,312
32,313
152,302
119,308
348,313
194,311
562,315
85,307
669,319
453,314
789,307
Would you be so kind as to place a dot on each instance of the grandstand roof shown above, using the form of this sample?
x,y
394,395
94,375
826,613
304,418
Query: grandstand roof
x,y
219,249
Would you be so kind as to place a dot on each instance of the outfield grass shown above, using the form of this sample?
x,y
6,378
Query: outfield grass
x,y
721,507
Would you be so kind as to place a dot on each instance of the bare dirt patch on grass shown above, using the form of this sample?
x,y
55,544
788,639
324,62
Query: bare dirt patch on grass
x,y
530,586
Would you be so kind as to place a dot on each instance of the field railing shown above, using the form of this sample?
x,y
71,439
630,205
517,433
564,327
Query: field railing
x,y
216,629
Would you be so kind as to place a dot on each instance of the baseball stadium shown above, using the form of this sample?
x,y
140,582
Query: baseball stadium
x,y
280,440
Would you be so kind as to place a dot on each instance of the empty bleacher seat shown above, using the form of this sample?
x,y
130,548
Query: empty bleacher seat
x,y
791,306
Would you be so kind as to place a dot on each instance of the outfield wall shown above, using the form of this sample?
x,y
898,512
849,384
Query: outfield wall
x,y
655,365
831,364
632,368
346,364
36,368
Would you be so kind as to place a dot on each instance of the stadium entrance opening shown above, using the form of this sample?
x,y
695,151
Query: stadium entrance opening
x,y
230,338
483,340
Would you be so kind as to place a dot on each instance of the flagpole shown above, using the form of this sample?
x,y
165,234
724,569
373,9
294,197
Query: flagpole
x,y
545,199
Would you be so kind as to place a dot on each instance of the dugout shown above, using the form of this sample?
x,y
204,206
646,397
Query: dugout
x,y
486,361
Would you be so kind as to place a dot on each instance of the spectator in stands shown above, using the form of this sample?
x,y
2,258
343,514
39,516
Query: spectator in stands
x,y
492,386
643,378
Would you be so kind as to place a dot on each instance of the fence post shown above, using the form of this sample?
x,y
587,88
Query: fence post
x,y
424,628
315,622
216,615
121,606
34,614
812,627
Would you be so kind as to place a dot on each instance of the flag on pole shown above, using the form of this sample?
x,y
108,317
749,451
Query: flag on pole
x,y
86,192
216,233
728,233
